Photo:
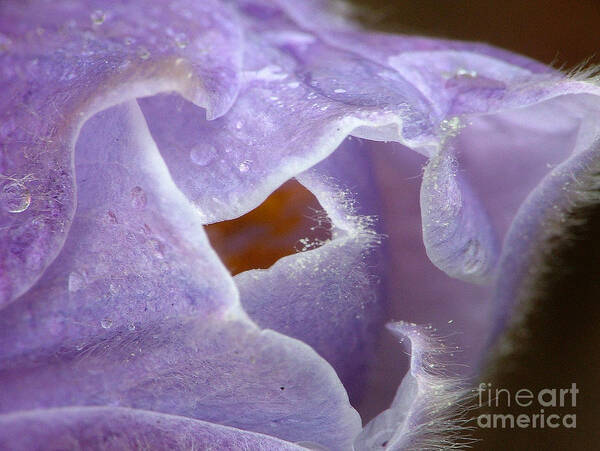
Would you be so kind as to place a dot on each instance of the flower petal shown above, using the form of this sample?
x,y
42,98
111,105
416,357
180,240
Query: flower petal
x,y
543,216
335,288
136,251
88,333
426,411
457,233
222,371
100,428
68,60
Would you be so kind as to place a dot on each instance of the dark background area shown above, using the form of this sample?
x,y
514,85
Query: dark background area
x,y
559,342
552,31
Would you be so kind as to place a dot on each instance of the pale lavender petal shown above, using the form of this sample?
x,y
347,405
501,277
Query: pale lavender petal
x,y
332,22
529,168
65,61
420,292
180,343
502,157
136,251
457,233
337,288
426,411
80,310
222,371
257,146
544,215
117,428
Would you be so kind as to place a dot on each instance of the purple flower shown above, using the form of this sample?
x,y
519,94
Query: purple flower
x,y
126,127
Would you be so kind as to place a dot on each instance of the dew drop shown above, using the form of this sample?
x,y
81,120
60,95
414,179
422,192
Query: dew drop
x,y
143,53
98,17
451,126
202,155
113,289
106,323
76,282
339,91
157,248
239,125
181,40
461,72
244,166
138,198
15,197
131,325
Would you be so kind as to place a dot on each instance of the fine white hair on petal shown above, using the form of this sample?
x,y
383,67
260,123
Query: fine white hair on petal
x,y
429,411
578,183
585,72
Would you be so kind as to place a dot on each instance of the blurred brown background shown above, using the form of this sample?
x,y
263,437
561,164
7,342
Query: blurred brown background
x,y
564,31
560,343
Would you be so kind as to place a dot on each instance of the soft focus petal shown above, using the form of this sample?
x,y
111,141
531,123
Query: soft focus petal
x,y
542,217
117,428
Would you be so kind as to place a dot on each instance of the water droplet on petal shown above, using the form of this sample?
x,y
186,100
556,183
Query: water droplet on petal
x,y
106,323
138,198
239,125
202,155
113,289
158,248
98,17
244,166
181,40
131,325
461,72
451,126
76,282
143,53
15,197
